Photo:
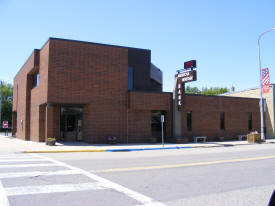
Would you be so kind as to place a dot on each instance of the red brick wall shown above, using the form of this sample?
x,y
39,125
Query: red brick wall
x,y
87,73
21,96
139,125
149,100
26,100
52,121
42,123
141,105
206,116
93,76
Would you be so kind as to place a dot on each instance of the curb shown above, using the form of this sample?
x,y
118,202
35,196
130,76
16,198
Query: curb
x,y
63,151
107,150
132,149
145,149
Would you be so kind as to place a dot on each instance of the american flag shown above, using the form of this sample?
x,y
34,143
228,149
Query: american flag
x,y
265,80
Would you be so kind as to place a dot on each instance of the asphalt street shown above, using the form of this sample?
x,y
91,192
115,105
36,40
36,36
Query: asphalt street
x,y
239,175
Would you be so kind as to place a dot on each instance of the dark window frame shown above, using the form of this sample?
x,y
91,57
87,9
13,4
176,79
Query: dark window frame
x,y
250,121
222,120
35,79
130,78
189,120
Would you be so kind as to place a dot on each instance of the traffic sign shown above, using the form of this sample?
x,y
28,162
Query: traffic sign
x,y
5,124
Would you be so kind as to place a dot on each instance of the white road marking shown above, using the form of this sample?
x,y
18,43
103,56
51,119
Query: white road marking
x,y
28,165
151,204
14,156
37,173
22,160
42,189
3,197
109,184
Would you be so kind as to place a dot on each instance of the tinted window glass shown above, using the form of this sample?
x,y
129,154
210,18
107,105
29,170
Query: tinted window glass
x,y
130,78
189,121
222,121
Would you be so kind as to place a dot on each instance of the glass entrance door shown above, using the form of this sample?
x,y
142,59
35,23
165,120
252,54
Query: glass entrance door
x,y
71,124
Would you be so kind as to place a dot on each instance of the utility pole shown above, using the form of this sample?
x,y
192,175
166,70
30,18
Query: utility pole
x,y
261,86
0,102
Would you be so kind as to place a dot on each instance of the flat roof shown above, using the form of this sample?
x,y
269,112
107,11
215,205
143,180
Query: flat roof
x,y
254,88
219,96
101,44
77,41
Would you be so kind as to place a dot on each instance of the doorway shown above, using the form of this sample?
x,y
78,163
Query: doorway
x,y
71,123
156,125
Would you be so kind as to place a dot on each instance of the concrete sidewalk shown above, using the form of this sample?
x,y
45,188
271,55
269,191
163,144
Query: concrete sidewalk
x,y
10,143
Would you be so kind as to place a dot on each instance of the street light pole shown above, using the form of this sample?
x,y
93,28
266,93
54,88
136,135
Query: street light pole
x,y
261,86
0,101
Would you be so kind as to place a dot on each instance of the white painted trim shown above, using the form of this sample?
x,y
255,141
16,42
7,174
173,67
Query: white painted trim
x,y
3,197
43,189
37,173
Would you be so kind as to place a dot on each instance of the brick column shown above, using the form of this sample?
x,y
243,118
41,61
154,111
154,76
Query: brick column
x,y
52,121
49,121
14,123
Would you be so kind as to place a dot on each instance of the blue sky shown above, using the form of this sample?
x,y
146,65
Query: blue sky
x,y
220,34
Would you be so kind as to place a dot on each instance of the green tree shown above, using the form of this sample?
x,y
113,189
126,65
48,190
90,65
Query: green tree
x,y
6,102
214,91
192,90
205,91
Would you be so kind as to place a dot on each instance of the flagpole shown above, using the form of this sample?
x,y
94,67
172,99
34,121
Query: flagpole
x,y
261,86
0,102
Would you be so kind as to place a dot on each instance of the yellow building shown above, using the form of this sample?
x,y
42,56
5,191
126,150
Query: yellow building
x,y
269,114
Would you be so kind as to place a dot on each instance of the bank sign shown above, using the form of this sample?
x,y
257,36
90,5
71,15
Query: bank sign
x,y
187,76
182,78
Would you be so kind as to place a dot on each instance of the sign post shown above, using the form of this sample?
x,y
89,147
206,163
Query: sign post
x,y
162,137
5,126
183,76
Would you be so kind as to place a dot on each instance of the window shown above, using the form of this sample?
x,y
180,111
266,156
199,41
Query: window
x,y
35,79
130,78
222,121
189,121
250,121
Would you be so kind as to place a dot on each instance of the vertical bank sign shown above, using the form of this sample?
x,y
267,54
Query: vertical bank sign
x,y
183,76
265,80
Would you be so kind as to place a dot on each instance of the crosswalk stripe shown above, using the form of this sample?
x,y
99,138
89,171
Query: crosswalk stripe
x,y
28,165
109,184
23,160
152,204
14,157
42,189
37,173
3,197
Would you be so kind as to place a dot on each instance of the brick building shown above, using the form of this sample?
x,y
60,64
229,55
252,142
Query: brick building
x,y
211,116
75,90
270,102
218,116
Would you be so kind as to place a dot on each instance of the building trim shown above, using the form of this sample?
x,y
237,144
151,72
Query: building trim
x,y
218,96
94,43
